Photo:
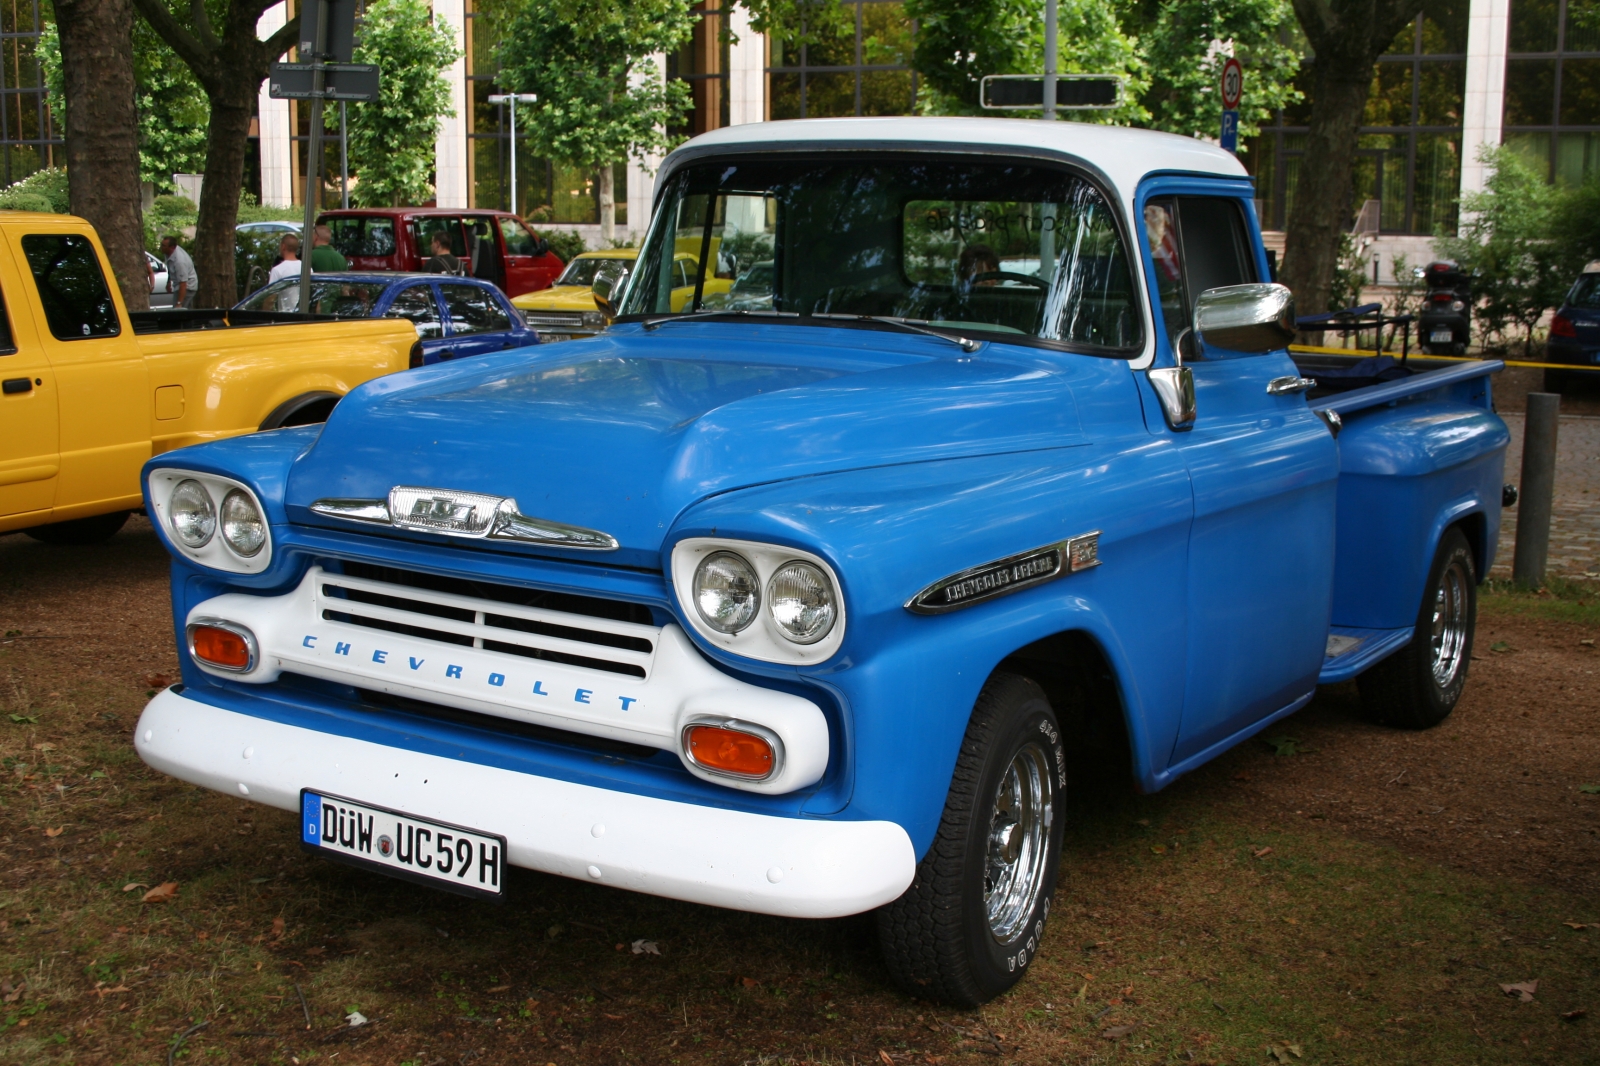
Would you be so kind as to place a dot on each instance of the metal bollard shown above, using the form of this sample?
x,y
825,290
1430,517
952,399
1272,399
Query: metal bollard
x,y
1538,488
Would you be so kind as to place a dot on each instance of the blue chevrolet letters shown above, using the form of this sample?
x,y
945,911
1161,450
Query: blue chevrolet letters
x,y
454,672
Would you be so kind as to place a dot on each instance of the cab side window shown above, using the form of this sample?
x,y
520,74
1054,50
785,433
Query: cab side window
x,y
417,306
473,310
72,288
8,344
1196,243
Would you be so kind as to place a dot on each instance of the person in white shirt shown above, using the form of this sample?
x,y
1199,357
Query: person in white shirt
x,y
289,248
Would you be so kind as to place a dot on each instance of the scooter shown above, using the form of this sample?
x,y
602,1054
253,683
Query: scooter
x,y
1444,326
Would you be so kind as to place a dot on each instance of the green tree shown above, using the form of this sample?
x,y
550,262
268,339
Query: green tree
x,y
392,139
1509,240
602,99
959,42
1187,42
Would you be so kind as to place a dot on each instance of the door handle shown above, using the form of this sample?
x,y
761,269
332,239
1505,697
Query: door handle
x,y
1292,383
12,386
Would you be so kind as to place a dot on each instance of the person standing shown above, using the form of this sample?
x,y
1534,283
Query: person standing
x,y
443,262
181,277
324,256
289,249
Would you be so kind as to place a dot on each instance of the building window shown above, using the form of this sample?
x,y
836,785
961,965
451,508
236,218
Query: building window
x,y
1552,103
546,191
864,69
1407,172
29,139
702,62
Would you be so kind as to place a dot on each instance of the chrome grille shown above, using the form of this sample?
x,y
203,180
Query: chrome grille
x,y
553,320
418,607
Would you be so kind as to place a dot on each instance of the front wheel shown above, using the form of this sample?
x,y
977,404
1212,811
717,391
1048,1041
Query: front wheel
x,y
1417,687
972,920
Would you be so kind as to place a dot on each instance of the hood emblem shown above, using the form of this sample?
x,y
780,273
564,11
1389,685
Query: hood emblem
x,y
463,514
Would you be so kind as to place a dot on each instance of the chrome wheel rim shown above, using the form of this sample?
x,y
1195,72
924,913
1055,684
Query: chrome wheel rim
x,y
1448,638
1019,838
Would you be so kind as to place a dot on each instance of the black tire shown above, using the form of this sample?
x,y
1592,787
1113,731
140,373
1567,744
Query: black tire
x,y
939,940
81,531
1417,687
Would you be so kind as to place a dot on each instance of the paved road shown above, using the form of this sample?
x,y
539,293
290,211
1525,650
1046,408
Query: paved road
x,y
1575,524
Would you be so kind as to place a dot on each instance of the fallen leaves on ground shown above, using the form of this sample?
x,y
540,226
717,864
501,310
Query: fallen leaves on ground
x,y
161,893
355,1018
646,947
1262,852
1117,1032
11,993
57,831
1281,1052
1580,926
131,885
1523,990
1574,1015
277,928
157,681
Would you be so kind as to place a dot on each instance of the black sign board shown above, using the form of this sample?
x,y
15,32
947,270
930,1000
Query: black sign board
x,y
343,81
1078,92
341,30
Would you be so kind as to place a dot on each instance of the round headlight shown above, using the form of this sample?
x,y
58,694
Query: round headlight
x,y
1458,305
191,514
243,528
801,600
727,592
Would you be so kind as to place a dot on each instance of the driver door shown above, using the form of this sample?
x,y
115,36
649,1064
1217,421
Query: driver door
x,y
1264,471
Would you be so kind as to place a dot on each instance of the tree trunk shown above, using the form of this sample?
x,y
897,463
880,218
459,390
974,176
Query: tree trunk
x,y
1322,192
215,238
1347,36
103,134
608,205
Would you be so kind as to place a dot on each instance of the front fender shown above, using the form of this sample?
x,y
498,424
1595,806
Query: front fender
x,y
908,682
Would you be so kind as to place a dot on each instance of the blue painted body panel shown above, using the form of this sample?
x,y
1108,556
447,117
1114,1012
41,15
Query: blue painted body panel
x,y
452,343
1227,552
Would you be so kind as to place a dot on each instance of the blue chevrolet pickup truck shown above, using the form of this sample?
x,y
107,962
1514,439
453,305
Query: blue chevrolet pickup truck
x,y
823,605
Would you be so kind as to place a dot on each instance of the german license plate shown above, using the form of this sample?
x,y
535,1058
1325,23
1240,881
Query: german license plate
x,y
1441,336
451,857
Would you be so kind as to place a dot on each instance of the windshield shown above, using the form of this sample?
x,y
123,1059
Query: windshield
x,y
1012,248
347,299
582,271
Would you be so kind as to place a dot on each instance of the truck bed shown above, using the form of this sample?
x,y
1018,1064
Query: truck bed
x,y
1417,454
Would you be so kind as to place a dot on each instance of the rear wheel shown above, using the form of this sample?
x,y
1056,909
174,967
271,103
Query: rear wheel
x,y
1417,687
80,531
972,920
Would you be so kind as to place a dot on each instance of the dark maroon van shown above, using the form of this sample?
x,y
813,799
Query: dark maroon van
x,y
496,246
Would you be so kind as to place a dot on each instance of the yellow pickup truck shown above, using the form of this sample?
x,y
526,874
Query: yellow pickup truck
x,y
88,392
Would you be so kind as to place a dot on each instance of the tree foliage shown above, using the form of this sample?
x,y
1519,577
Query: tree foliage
x,y
1523,240
173,110
391,141
602,99
1169,52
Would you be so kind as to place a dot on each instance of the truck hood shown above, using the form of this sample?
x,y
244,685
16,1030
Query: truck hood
x,y
621,432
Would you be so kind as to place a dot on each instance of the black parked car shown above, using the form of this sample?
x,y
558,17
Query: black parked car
x,y
1575,332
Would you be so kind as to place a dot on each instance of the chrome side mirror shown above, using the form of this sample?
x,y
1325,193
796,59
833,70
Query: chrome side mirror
x,y
1245,318
607,283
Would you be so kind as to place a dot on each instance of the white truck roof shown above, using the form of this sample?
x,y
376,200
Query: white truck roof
x,y
1125,156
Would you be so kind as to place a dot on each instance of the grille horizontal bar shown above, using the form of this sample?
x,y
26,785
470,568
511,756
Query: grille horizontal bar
x,y
582,640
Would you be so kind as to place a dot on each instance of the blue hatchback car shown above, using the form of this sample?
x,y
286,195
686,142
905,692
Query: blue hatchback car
x,y
1575,332
455,317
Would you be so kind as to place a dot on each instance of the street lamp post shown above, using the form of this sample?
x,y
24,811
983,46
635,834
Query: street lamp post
x,y
513,99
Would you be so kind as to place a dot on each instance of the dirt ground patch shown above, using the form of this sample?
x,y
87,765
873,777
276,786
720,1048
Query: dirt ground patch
x,y
1360,900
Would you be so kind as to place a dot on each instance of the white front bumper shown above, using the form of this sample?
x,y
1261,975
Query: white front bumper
x,y
794,867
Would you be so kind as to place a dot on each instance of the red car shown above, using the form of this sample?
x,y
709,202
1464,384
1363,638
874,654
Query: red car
x,y
496,246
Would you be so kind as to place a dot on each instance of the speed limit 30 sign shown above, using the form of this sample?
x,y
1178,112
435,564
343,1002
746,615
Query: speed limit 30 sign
x,y
1232,84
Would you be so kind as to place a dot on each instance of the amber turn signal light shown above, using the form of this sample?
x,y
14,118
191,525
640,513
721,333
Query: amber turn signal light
x,y
226,648
729,751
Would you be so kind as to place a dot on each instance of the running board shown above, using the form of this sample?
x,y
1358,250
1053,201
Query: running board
x,y
1352,650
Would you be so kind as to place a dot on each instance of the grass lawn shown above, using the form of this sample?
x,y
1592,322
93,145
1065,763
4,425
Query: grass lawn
x,y
1268,908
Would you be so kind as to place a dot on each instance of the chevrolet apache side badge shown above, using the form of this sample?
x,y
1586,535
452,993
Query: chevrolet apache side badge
x,y
1012,574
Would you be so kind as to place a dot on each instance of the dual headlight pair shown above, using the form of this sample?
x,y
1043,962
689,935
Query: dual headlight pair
x,y
765,601
213,520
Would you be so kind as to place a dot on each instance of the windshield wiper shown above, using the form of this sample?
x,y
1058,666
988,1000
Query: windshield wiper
x,y
966,344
